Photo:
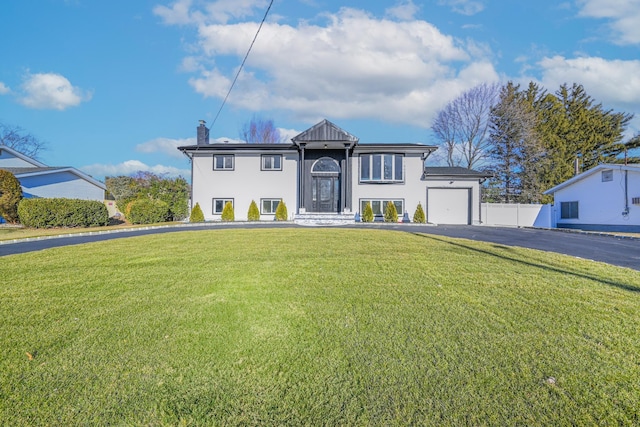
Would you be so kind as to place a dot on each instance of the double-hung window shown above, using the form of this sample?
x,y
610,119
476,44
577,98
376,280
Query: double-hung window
x,y
378,206
272,162
223,162
269,206
569,210
218,205
381,168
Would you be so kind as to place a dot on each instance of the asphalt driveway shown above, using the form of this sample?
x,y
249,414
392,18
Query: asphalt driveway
x,y
624,252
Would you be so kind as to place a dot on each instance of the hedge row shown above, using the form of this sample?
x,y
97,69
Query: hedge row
x,y
147,211
58,212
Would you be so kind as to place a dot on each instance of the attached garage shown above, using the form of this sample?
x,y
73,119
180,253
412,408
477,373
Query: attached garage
x,y
449,206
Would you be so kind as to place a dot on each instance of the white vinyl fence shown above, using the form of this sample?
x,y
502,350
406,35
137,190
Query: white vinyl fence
x,y
516,215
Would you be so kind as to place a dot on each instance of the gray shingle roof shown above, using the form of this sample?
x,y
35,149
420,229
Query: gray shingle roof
x,y
454,171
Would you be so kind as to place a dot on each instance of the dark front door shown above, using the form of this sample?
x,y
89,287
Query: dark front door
x,y
325,193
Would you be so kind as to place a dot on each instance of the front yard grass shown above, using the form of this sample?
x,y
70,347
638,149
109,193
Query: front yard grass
x,y
316,327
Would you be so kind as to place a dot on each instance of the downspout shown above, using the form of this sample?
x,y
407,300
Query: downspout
x,y
625,213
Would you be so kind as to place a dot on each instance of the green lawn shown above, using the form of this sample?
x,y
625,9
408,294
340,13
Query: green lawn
x,y
315,327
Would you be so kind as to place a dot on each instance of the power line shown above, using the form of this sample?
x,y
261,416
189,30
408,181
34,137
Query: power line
x,y
241,65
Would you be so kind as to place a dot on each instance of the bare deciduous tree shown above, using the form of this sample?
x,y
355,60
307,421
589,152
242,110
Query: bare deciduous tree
x,y
463,125
20,140
260,131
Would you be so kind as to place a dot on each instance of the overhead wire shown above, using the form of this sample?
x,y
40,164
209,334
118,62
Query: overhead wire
x,y
224,101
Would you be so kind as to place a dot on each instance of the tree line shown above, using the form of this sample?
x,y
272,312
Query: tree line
x,y
530,139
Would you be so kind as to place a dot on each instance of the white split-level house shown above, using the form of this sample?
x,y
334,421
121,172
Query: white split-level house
x,y
604,198
326,171
40,180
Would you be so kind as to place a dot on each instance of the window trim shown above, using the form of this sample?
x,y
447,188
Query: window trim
x,y
224,200
272,156
262,212
570,208
383,202
233,162
379,170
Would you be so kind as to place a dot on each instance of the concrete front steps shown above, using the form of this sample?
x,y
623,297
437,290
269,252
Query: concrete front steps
x,y
319,219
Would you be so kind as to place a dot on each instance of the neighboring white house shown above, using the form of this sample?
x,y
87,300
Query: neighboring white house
x,y
40,180
326,171
604,198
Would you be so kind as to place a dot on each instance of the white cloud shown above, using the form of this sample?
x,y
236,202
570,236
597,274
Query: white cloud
x,y
51,91
165,145
132,166
464,7
355,66
221,11
624,16
4,89
404,10
609,81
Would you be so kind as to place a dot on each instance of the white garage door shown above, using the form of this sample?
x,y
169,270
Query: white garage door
x,y
448,206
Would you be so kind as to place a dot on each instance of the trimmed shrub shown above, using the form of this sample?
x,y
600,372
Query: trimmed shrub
x,y
196,214
419,215
59,212
254,212
390,213
147,211
281,212
10,196
227,212
367,214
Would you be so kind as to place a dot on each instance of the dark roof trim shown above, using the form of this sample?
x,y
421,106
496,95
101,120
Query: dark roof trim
x,y
447,171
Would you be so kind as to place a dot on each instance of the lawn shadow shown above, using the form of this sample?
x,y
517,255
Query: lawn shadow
x,y
547,267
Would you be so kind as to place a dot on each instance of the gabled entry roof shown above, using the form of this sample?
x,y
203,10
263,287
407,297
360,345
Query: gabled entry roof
x,y
325,133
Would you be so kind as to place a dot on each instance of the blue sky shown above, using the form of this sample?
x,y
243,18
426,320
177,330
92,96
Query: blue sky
x,y
113,87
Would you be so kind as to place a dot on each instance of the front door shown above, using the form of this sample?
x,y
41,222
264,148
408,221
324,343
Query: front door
x,y
325,193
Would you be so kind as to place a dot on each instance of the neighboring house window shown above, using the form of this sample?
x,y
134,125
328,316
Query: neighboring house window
x,y
272,162
381,168
218,205
569,210
268,206
607,176
379,205
223,162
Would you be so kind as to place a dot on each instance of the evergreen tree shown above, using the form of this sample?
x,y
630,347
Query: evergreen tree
x,y
390,213
367,213
254,212
196,214
281,212
419,216
515,148
10,196
227,213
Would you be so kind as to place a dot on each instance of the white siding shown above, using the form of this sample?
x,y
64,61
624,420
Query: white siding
x,y
244,184
600,203
412,190
8,160
60,184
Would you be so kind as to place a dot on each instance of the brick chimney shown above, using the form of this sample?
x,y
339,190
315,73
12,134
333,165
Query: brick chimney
x,y
203,133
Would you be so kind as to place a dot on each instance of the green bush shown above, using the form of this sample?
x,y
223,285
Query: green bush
x,y
281,212
10,196
254,212
147,211
227,212
367,214
419,216
390,213
59,212
196,214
